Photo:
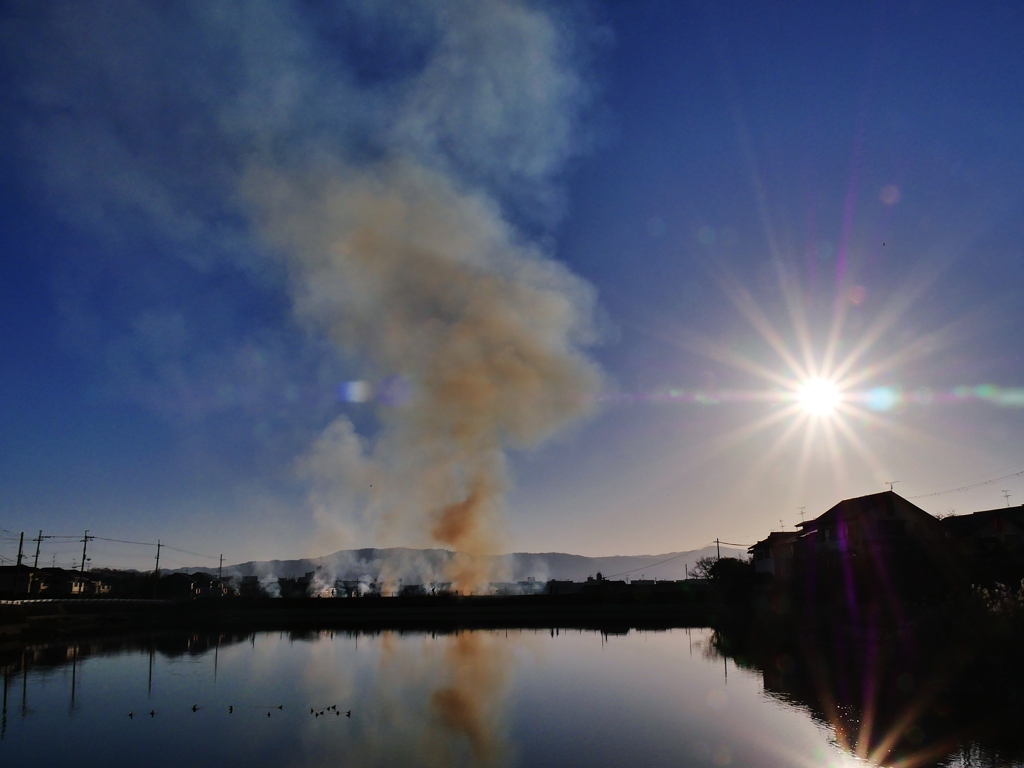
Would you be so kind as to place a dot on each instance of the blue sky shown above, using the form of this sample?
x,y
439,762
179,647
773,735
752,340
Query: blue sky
x,y
660,192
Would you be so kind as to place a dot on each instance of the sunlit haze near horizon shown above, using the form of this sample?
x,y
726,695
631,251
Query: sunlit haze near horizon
x,y
604,278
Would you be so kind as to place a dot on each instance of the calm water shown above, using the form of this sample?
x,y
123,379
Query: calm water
x,y
477,698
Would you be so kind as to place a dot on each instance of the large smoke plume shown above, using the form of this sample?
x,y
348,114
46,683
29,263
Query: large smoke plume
x,y
381,150
428,284
409,265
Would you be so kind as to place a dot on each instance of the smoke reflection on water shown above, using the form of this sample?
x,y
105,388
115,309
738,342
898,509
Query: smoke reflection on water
x,y
476,698
435,700
470,702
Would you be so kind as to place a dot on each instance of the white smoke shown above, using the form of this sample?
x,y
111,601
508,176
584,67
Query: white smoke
x,y
429,284
378,148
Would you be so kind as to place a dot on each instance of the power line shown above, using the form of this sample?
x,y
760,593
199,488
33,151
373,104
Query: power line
x,y
1016,467
668,559
118,541
968,487
649,565
197,554
123,541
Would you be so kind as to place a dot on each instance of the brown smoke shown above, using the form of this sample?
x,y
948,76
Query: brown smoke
x,y
441,701
470,704
427,283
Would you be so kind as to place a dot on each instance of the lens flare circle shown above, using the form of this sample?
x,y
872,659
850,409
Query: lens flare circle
x,y
818,397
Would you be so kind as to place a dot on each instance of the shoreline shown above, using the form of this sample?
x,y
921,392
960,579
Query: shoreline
x,y
39,621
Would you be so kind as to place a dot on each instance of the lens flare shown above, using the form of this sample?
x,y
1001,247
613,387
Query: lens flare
x,y
818,397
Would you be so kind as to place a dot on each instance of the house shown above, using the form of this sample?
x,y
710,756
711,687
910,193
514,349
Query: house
x,y
300,586
774,555
873,548
208,585
25,582
97,586
177,586
15,581
988,532
249,586
563,587
990,543
871,524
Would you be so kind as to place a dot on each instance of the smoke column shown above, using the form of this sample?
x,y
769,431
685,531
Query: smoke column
x,y
408,264
428,284
378,151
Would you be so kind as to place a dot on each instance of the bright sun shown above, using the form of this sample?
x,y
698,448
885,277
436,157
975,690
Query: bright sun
x,y
818,397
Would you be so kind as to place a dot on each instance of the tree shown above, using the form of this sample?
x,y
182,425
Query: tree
x,y
703,567
731,570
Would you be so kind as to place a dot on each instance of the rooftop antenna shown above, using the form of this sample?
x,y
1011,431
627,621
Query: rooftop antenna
x,y
1006,495
801,513
782,525
890,483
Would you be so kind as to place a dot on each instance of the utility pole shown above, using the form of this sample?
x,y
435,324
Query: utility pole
x,y
156,573
1006,495
85,543
718,546
39,541
220,567
17,573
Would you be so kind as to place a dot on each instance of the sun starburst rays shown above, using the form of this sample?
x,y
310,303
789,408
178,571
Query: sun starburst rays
x,y
818,398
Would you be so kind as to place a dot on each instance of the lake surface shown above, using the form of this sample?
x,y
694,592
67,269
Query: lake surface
x,y
489,698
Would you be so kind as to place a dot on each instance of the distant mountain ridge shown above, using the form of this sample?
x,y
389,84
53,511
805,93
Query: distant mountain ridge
x,y
422,566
